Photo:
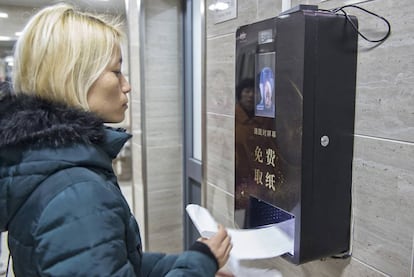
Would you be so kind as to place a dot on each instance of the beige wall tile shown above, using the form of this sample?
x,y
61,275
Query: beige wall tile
x,y
269,8
246,13
163,79
164,199
322,268
220,75
157,158
357,268
165,220
221,205
383,184
385,74
220,151
164,124
384,110
164,167
163,242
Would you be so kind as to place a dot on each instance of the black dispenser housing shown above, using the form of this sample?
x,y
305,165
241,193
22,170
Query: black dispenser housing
x,y
294,125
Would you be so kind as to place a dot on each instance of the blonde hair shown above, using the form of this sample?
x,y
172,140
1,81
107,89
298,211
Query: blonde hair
x,y
62,52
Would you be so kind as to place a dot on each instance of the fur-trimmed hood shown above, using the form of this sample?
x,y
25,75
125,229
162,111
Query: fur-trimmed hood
x,y
39,138
29,120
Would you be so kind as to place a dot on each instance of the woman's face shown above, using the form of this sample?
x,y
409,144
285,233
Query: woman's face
x,y
107,97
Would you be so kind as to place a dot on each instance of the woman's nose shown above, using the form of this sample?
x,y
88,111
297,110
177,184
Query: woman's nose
x,y
125,86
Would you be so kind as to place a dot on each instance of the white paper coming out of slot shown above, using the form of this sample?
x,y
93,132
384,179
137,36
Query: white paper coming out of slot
x,y
248,244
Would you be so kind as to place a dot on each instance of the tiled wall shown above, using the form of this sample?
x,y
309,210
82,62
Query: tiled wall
x,y
383,168
163,117
156,122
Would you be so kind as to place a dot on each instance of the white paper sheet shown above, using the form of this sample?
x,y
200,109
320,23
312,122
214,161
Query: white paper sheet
x,y
260,243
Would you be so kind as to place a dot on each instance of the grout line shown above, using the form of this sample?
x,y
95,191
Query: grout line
x,y
220,189
371,267
412,259
220,36
220,114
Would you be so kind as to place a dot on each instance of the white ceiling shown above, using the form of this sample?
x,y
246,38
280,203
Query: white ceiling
x,y
20,11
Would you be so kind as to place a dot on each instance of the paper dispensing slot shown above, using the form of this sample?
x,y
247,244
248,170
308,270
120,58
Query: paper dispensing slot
x,y
262,214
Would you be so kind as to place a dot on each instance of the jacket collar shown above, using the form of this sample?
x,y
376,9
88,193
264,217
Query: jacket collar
x,y
114,140
27,120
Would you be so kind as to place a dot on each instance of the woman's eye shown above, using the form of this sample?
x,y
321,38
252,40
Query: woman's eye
x,y
117,72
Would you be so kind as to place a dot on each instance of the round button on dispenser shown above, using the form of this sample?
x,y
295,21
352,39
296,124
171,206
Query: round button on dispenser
x,y
324,141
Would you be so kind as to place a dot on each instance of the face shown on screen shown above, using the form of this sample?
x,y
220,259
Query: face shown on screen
x,y
268,95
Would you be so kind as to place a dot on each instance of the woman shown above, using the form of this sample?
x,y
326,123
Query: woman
x,y
60,201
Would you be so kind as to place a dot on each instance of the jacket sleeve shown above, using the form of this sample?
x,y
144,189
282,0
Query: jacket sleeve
x,y
81,232
189,263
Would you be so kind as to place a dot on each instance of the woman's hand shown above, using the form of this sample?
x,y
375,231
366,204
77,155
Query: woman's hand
x,y
220,245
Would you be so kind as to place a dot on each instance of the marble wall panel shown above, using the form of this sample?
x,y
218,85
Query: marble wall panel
x,y
162,37
158,173
383,184
163,27
384,110
220,203
387,80
165,214
220,75
386,77
164,168
220,151
357,268
386,71
324,268
161,6
163,73
246,13
164,199
169,91
268,8
169,241
162,44
164,124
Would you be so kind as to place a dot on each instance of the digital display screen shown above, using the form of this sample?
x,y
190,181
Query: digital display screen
x,y
265,36
265,85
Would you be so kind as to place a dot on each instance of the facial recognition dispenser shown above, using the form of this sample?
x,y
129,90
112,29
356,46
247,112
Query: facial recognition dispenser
x,y
294,125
